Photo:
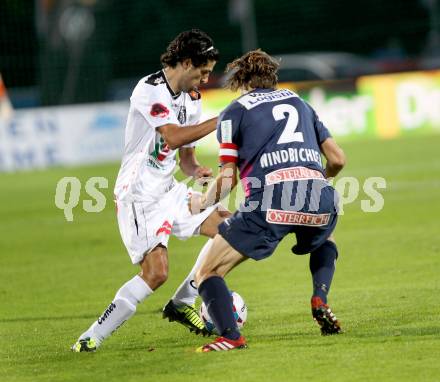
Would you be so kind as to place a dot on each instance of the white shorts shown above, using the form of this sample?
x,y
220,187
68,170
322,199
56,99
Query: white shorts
x,y
145,225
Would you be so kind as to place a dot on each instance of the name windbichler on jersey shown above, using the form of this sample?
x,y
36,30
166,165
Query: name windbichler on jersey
x,y
290,155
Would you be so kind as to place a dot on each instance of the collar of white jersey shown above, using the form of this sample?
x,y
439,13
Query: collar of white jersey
x,y
173,94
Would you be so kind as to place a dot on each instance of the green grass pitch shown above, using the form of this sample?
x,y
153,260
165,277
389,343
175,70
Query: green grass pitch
x,y
56,277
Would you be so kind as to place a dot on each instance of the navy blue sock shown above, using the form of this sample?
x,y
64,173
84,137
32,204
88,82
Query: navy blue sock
x,y
217,298
322,266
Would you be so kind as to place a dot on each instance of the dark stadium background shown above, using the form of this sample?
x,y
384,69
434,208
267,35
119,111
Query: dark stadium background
x,y
113,42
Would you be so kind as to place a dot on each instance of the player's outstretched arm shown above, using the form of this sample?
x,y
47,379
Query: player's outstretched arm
x,y
176,136
335,157
222,186
190,165
218,189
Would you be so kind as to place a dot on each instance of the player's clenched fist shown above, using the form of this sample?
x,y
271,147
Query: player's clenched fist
x,y
203,175
196,203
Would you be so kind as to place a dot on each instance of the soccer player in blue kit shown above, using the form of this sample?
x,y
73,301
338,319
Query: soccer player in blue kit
x,y
274,140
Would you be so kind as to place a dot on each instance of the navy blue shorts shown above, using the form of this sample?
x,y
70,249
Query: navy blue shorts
x,y
256,234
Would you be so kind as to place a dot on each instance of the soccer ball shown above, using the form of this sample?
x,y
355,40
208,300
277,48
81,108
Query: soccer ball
x,y
240,312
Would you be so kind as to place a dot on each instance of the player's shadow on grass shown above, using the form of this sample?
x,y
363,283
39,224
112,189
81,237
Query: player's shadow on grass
x,y
282,336
396,332
50,318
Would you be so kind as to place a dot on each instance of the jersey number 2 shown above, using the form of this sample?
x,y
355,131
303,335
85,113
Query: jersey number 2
x,y
289,134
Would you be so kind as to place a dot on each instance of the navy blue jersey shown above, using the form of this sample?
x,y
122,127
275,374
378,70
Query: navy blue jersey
x,y
273,136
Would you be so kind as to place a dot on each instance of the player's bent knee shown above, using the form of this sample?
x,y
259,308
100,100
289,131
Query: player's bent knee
x,y
160,277
206,270
329,246
155,267
202,274
198,277
155,277
224,214
209,230
332,239
210,226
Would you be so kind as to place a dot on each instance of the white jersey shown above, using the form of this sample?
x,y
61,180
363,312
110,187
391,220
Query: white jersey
x,y
148,163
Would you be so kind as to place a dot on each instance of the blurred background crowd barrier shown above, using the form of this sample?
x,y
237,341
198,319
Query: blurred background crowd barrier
x,y
369,68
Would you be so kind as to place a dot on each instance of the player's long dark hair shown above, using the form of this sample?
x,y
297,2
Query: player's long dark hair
x,y
255,69
194,44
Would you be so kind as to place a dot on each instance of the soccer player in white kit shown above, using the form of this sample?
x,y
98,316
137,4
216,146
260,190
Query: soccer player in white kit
x,y
164,115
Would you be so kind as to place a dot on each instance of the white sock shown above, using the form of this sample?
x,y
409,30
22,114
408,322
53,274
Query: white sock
x,y
187,291
120,310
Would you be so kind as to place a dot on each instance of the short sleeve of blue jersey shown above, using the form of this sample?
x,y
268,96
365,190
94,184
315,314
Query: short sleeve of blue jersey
x,y
322,133
228,133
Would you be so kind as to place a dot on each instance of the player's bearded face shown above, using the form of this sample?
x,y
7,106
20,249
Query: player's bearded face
x,y
196,76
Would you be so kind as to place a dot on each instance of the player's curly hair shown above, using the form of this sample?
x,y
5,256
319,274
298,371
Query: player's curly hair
x,y
194,44
255,69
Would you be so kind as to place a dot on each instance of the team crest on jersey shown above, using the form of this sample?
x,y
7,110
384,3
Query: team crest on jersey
x,y
158,81
155,78
159,110
195,95
182,115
